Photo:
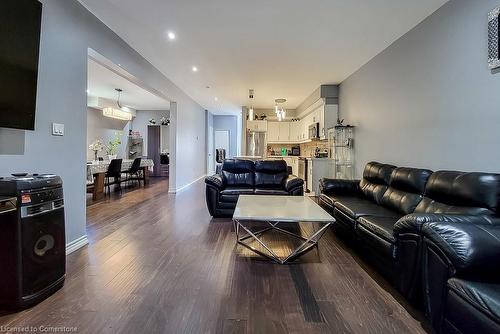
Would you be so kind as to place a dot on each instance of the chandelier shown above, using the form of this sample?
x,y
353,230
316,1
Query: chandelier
x,y
117,113
278,108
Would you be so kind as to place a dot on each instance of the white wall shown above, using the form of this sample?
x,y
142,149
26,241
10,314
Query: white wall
x,y
228,123
141,121
68,30
429,99
105,128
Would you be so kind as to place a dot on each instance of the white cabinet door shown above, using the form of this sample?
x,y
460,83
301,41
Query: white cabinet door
x,y
294,131
273,132
284,131
260,126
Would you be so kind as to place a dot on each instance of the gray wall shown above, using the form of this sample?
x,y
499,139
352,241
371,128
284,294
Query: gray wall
x,y
429,99
68,30
229,123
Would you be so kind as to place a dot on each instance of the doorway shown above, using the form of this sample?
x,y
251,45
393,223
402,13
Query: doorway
x,y
221,140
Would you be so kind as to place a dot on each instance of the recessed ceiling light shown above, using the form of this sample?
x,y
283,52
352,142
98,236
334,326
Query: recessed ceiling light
x,y
194,68
171,35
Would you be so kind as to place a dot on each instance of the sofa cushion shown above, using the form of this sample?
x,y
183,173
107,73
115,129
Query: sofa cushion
x,y
375,180
355,207
269,191
238,173
380,226
460,193
231,194
330,199
405,190
483,296
270,173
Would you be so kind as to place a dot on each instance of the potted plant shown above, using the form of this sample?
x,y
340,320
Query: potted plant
x,y
113,145
96,146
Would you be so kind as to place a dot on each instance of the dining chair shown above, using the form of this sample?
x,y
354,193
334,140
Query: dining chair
x,y
114,171
134,170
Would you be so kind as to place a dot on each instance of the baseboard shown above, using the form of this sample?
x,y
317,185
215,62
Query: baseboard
x,y
76,244
176,190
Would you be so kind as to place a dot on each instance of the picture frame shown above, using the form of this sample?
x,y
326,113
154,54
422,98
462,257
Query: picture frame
x,y
493,39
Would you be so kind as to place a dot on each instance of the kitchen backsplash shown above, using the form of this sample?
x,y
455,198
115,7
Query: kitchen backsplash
x,y
306,149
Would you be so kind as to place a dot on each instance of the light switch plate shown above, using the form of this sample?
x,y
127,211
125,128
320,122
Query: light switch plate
x,y
57,129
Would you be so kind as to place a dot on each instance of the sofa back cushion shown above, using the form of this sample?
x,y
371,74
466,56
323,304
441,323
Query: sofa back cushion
x,y
455,192
406,189
270,173
238,173
375,180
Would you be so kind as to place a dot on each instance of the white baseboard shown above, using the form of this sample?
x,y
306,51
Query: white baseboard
x,y
76,244
176,190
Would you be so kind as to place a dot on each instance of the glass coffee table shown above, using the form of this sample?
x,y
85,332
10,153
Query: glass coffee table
x,y
271,211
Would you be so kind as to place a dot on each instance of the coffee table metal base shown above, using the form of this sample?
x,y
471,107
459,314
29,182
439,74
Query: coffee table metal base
x,y
307,245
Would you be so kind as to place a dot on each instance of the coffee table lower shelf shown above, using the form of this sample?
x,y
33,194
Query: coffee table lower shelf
x,y
307,245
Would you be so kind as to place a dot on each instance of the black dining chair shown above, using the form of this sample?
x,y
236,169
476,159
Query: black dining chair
x,y
220,155
134,170
115,172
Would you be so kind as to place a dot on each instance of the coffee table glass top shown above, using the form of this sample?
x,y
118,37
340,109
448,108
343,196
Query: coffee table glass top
x,y
279,208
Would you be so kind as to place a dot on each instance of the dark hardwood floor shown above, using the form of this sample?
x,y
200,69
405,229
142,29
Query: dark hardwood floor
x,y
158,263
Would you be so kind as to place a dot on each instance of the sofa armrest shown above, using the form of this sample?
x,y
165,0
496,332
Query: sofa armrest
x,y
339,187
472,249
215,181
293,182
414,222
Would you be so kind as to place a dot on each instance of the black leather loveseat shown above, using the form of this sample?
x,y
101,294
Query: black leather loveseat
x,y
244,177
390,212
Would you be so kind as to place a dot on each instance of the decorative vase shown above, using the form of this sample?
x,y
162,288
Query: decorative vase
x,y
111,156
95,156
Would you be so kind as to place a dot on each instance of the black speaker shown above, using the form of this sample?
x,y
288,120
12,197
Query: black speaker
x,y
32,246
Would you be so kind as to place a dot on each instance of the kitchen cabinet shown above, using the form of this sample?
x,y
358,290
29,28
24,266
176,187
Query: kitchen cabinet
x,y
284,134
293,162
295,131
318,168
260,126
273,132
278,132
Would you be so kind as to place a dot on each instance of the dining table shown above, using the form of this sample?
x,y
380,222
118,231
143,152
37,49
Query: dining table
x,y
96,172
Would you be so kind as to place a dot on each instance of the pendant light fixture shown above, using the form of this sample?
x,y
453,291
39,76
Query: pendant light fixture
x,y
279,109
251,114
117,113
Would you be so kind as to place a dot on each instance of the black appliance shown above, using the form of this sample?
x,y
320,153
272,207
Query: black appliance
x,y
32,239
295,151
19,50
314,131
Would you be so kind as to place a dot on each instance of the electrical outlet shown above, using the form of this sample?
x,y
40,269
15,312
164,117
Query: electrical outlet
x,y
57,129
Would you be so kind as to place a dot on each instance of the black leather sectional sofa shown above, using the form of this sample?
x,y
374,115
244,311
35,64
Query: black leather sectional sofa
x,y
435,235
245,177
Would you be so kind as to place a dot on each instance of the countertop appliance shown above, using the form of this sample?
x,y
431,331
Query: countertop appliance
x,y
256,143
32,239
313,131
295,151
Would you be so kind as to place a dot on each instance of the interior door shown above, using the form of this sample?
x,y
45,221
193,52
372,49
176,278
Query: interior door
x,y
221,140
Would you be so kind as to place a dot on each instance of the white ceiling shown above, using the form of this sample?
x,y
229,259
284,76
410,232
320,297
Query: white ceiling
x,y
101,82
280,48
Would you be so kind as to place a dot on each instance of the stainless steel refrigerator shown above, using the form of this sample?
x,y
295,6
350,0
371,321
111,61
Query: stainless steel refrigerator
x,y
256,144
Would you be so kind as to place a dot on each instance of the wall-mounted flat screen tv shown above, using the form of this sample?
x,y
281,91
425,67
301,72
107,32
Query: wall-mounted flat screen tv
x,y
20,24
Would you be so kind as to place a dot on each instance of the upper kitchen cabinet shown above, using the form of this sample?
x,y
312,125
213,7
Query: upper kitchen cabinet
x,y
320,107
278,132
258,126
